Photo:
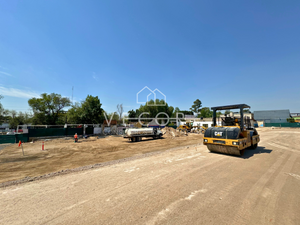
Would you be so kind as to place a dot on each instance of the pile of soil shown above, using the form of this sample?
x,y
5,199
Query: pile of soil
x,y
170,132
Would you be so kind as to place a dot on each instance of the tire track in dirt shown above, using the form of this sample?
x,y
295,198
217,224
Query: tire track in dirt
x,y
277,184
251,199
212,194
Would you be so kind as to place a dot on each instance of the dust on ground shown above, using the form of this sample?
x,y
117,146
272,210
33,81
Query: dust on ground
x,y
61,154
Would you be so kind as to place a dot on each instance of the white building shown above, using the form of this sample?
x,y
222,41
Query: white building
x,y
205,122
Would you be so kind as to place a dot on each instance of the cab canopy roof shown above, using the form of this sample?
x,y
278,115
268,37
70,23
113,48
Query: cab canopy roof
x,y
238,106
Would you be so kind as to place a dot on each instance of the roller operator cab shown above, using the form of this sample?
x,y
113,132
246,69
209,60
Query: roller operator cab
x,y
231,135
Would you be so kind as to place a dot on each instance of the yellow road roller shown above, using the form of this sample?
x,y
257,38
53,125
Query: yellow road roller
x,y
231,135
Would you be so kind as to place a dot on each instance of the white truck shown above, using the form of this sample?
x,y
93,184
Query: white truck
x,y
136,134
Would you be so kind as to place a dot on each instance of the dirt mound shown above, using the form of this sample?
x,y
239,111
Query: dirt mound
x,y
170,132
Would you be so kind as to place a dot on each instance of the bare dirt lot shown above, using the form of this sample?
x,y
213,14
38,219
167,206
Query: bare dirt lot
x,y
182,186
61,154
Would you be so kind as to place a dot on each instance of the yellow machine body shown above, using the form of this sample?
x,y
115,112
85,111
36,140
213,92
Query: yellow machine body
x,y
233,137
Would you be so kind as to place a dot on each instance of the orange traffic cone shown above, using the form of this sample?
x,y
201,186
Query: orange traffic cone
x,y
19,143
42,146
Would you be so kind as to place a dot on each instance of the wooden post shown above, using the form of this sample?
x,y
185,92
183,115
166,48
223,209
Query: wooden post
x,y
22,149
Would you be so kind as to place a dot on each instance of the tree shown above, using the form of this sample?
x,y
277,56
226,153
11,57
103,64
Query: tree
x,y
290,120
227,112
205,112
160,106
88,111
16,119
120,110
246,111
196,106
13,113
112,116
186,112
48,108
133,114
91,110
73,114
176,110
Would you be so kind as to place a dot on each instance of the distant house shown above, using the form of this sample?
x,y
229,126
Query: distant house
x,y
206,122
272,116
295,114
4,126
189,116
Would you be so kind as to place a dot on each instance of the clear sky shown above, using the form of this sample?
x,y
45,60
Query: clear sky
x,y
221,52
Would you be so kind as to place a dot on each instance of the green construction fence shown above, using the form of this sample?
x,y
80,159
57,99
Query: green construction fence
x,y
282,125
6,139
48,132
21,137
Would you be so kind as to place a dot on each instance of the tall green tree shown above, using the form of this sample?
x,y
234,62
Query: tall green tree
x,y
48,108
196,107
153,108
88,111
205,112
176,110
133,114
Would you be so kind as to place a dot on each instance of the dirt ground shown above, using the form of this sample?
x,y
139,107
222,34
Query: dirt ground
x,y
181,186
61,154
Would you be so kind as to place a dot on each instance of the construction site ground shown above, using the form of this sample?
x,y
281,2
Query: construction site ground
x,y
187,185
62,154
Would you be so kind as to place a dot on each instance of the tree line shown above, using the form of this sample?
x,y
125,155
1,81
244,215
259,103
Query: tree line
x,y
50,109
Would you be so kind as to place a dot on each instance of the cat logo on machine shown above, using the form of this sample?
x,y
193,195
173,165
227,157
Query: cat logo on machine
x,y
219,134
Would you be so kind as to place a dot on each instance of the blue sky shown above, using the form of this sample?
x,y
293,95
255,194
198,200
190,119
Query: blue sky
x,y
221,52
